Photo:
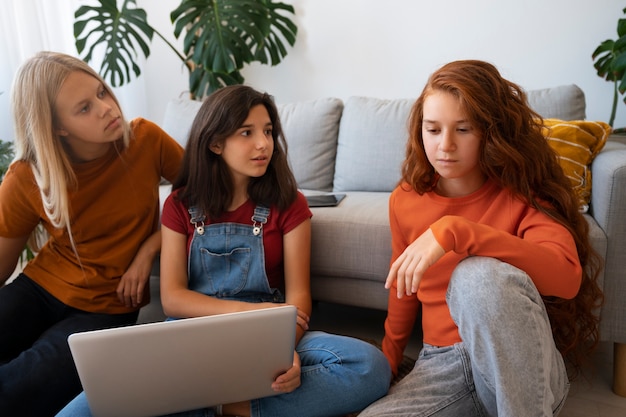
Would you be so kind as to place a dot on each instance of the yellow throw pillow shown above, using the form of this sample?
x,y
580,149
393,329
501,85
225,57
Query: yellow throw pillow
x,y
577,142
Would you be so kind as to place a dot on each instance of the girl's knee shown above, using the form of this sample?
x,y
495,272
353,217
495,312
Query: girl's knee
x,y
483,276
483,285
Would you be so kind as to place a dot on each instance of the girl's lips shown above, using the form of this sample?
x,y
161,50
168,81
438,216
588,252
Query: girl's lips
x,y
113,124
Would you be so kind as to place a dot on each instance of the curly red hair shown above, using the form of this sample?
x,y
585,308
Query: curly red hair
x,y
515,154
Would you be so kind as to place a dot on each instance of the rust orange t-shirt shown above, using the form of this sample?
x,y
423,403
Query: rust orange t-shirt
x,y
489,222
114,209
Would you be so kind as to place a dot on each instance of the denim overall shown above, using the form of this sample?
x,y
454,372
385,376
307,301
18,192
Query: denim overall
x,y
339,374
227,260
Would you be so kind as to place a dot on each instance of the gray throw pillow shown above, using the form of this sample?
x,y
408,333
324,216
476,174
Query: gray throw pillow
x,y
565,102
310,129
372,144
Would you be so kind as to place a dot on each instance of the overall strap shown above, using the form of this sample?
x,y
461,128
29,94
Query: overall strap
x,y
259,218
197,219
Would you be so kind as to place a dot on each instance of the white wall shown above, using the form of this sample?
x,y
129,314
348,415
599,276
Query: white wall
x,y
388,49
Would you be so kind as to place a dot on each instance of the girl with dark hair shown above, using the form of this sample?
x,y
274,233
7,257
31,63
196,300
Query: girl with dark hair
x,y
488,241
236,236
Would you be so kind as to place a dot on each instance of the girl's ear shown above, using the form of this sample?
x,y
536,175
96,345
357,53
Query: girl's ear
x,y
216,148
61,132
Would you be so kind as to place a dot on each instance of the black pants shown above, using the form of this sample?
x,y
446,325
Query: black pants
x,y
37,373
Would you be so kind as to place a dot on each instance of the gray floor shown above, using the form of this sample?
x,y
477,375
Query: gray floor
x,y
590,397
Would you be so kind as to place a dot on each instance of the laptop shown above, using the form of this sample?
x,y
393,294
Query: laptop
x,y
167,367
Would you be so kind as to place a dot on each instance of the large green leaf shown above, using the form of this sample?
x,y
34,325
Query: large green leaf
x,y
221,36
205,82
218,31
117,33
280,27
610,63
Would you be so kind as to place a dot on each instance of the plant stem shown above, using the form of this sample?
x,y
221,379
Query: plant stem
x,y
614,109
182,58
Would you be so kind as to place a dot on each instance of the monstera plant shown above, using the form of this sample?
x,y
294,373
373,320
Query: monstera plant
x,y
610,63
6,156
220,37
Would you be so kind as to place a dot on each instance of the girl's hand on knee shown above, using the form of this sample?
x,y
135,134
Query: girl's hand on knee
x,y
290,380
411,265
131,286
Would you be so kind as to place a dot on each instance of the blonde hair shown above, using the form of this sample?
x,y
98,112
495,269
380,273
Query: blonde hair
x,y
34,93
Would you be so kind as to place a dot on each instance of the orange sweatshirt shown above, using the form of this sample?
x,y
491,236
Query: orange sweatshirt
x,y
489,222
113,211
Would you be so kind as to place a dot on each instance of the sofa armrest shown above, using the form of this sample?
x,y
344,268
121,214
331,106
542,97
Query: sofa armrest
x,y
608,208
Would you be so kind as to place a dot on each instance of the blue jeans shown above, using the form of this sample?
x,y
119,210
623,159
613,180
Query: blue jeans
x,y
507,364
340,375
37,373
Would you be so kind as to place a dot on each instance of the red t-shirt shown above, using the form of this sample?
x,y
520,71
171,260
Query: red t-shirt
x,y
176,217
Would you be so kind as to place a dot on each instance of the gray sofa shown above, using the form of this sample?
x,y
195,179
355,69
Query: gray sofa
x,y
356,147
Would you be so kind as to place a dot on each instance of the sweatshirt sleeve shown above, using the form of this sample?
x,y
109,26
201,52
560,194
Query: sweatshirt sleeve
x,y
541,247
401,312
401,317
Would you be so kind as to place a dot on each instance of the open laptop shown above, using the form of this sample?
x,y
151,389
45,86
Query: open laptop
x,y
172,366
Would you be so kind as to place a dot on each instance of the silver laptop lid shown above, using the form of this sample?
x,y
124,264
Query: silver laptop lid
x,y
167,367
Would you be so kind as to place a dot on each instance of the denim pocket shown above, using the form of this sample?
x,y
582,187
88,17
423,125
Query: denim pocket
x,y
227,273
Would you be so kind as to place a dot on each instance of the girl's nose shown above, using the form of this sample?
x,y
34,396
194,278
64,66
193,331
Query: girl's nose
x,y
447,141
105,108
262,141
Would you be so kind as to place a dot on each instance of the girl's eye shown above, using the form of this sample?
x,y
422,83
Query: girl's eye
x,y
85,109
268,132
245,133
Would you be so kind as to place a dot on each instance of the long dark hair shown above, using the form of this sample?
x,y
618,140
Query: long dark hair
x,y
205,179
515,154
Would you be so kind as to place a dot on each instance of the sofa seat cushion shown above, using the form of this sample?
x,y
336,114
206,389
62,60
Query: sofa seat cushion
x,y
353,239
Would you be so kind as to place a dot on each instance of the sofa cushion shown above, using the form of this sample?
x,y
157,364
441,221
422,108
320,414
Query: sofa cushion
x,y
372,142
577,142
311,128
353,239
565,102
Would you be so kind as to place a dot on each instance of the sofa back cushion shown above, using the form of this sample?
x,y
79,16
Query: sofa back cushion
x,y
372,142
565,102
311,128
359,145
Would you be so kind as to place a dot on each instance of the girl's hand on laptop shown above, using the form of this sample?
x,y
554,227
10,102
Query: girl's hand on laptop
x,y
290,380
